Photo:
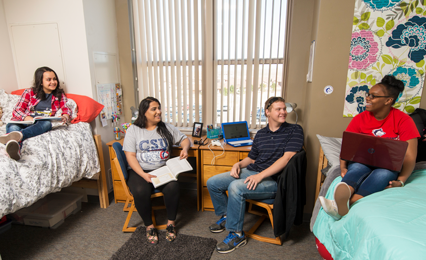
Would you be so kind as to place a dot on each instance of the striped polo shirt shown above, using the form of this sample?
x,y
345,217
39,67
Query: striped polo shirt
x,y
269,146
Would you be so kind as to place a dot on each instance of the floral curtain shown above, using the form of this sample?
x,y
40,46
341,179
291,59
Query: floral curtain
x,y
388,37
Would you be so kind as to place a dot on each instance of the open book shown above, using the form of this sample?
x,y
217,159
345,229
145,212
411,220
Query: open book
x,y
170,171
37,118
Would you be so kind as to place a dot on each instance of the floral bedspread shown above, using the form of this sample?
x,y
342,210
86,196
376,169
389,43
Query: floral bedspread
x,y
49,162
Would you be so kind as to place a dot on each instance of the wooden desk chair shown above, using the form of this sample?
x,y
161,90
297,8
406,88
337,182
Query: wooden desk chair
x,y
268,204
120,163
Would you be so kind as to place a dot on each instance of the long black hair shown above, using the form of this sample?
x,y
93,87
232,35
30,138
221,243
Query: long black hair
x,y
393,86
38,84
162,130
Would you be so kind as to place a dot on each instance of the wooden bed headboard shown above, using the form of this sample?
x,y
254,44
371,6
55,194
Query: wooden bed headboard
x,y
322,163
99,184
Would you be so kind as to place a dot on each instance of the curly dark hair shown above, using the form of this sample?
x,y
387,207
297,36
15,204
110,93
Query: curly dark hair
x,y
393,86
162,130
38,84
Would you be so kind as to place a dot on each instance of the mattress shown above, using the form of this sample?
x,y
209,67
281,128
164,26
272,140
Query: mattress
x,y
390,224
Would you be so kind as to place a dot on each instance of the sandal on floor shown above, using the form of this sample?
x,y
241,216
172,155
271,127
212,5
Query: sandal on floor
x,y
152,236
170,233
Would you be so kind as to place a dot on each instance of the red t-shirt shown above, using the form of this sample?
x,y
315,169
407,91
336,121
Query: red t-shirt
x,y
397,125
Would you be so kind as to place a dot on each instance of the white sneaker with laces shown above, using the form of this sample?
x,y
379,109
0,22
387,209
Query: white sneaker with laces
x,y
330,207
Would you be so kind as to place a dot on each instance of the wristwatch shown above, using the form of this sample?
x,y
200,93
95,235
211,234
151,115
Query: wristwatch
x,y
402,183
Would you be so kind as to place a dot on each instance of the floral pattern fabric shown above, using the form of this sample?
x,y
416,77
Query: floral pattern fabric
x,y
49,162
388,38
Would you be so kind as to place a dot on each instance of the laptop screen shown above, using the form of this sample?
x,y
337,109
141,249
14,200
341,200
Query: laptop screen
x,y
235,130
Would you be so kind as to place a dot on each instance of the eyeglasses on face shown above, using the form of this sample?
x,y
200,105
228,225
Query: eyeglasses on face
x,y
371,96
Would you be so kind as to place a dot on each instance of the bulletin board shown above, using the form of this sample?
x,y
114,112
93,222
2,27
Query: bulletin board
x,y
109,95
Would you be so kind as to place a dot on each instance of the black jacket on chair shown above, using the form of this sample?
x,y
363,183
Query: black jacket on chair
x,y
291,195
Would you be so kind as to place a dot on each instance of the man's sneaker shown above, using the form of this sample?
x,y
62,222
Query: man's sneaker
x,y
330,207
15,135
219,226
231,242
13,150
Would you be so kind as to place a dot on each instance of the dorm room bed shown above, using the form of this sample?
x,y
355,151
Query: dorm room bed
x,y
50,162
386,225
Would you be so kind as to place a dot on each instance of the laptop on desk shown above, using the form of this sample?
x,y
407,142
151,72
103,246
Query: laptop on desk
x,y
236,134
373,151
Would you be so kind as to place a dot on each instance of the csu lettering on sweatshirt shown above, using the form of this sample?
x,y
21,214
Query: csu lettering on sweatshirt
x,y
153,151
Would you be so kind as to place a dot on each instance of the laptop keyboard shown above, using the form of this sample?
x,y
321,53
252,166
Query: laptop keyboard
x,y
240,142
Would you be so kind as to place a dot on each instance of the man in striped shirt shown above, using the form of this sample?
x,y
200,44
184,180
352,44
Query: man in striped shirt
x,y
255,176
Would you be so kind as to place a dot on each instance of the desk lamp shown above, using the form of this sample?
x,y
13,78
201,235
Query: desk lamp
x,y
290,108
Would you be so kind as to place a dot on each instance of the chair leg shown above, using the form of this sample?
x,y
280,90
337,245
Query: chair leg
x,y
154,222
126,205
126,227
250,233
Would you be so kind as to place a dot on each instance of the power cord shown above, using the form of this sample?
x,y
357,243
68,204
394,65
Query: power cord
x,y
215,143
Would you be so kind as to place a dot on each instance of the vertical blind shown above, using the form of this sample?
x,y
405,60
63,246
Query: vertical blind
x,y
249,43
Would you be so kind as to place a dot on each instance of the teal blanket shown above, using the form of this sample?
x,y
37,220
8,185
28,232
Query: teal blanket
x,y
390,224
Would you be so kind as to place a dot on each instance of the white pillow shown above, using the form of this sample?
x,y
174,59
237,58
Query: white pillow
x,y
331,148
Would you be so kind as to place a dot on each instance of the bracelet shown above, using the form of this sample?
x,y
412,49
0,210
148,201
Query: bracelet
x,y
402,183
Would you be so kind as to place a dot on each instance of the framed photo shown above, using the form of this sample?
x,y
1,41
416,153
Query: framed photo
x,y
198,128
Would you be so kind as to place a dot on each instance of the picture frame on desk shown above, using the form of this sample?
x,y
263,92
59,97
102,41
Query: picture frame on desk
x,y
197,129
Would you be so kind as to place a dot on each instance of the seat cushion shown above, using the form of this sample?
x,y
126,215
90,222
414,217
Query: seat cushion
x,y
267,201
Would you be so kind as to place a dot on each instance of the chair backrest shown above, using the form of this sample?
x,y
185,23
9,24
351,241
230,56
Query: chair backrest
x,y
121,157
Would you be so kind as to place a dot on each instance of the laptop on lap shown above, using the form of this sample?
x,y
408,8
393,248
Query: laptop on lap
x,y
373,151
236,134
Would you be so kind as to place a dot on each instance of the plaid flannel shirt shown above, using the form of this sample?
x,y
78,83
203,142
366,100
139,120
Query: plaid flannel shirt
x,y
28,101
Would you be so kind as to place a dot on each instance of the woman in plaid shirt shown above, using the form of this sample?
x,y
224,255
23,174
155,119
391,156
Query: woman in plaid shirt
x,y
45,98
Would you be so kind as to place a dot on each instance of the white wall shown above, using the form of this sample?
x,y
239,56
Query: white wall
x,y
69,16
7,70
85,27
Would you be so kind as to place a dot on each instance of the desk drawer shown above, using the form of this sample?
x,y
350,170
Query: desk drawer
x,y
228,158
243,155
207,201
210,171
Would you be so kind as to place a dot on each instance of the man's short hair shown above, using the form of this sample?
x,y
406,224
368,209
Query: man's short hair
x,y
272,100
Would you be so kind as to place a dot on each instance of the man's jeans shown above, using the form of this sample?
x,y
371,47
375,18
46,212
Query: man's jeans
x,y
28,131
367,180
234,206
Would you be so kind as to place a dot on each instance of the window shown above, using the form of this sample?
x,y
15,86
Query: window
x,y
211,66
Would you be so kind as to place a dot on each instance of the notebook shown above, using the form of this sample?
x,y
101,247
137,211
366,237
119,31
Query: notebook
x,y
373,151
236,133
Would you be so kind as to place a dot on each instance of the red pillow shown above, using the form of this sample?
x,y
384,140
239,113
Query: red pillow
x,y
18,92
88,109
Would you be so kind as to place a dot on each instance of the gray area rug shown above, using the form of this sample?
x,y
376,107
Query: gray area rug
x,y
184,247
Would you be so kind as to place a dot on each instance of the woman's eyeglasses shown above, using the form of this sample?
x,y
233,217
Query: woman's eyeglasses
x,y
371,96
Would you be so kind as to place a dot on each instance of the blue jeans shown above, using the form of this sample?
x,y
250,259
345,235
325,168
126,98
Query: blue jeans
x,y
234,206
28,131
367,180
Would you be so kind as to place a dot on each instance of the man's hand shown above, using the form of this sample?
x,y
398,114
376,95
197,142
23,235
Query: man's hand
x,y
252,181
235,171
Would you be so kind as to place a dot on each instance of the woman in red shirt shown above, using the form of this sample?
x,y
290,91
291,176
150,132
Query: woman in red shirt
x,y
382,120
45,98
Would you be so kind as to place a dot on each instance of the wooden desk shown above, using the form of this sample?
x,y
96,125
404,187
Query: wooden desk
x,y
222,163
119,195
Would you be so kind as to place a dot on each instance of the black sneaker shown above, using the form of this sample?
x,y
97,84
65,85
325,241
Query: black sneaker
x,y
219,226
231,242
